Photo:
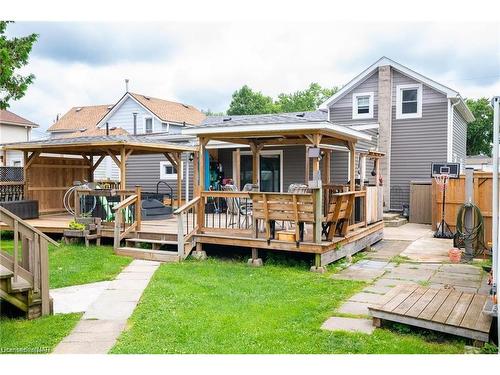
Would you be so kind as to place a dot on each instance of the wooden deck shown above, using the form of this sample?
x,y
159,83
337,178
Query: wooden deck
x,y
444,310
330,251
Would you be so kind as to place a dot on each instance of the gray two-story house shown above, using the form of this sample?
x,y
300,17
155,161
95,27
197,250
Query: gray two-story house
x,y
418,120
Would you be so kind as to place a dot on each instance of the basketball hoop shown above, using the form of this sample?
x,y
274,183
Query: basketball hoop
x,y
442,180
442,172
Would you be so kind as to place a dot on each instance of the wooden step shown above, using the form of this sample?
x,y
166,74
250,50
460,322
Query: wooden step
x,y
145,240
20,285
146,254
5,273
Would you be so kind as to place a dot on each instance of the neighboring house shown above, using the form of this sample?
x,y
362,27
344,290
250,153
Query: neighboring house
x,y
480,163
14,128
419,121
133,114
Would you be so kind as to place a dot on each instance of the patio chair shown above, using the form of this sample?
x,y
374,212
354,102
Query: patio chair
x,y
238,207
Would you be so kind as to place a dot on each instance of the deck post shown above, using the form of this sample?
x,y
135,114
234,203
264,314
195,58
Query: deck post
x,y
255,261
201,186
178,159
116,237
255,163
180,234
196,190
123,172
237,168
138,204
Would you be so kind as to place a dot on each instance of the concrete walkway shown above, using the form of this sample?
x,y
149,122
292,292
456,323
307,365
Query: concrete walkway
x,y
105,319
77,298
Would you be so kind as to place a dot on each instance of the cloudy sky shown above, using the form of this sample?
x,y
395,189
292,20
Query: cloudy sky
x,y
202,64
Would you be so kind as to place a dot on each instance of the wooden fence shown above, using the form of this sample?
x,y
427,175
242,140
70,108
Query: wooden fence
x,y
49,178
455,197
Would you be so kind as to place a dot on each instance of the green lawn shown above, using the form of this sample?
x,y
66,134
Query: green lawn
x,y
76,264
38,336
227,307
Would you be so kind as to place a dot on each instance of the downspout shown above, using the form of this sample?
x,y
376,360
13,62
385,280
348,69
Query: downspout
x,y
449,145
496,137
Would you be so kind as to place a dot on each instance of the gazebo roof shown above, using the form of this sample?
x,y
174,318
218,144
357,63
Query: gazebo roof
x,y
95,145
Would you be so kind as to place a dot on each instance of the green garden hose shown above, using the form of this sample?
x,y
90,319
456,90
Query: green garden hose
x,y
475,234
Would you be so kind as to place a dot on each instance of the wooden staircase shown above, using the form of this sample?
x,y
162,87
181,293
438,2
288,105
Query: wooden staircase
x,y
24,275
133,248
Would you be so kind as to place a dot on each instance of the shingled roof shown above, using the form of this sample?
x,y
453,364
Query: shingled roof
x,y
78,118
169,111
10,118
272,118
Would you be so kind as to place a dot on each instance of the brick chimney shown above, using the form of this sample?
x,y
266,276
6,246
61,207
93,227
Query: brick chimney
x,y
385,123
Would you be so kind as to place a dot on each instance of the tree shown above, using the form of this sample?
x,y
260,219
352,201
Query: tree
x,y
248,102
307,100
14,54
480,131
209,112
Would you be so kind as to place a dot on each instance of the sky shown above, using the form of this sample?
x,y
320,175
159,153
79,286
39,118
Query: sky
x,y
82,63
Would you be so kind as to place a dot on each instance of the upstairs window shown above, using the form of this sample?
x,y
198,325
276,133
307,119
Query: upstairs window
x,y
408,101
362,105
164,127
148,125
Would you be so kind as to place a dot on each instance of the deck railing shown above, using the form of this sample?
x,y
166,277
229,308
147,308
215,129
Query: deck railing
x,y
187,223
121,212
225,211
31,263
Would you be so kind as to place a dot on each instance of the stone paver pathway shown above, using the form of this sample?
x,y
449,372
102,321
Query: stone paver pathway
x,y
427,267
105,319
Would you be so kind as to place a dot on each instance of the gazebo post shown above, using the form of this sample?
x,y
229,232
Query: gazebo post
x,y
123,170
179,179
196,190
200,218
255,164
352,167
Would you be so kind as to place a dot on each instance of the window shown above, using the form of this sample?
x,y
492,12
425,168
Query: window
x,y
164,127
168,171
148,125
362,105
16,163
408,101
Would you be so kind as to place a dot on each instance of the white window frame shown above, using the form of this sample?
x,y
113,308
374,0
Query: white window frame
x,y
168,126
152,124
399,101
169,176
355,114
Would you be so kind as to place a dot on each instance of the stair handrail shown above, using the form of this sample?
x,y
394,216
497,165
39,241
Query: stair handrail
x,y
184,233
35,261
118,210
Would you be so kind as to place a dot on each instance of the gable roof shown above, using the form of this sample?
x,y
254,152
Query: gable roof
x,y
450,93
10,118
78,118
163,110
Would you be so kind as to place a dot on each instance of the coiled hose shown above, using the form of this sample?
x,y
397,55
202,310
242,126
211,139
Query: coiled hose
x,y
475,234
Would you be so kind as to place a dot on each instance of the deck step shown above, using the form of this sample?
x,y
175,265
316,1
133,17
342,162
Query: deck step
x,y
395,222
157,255
145,240
5,273
20,285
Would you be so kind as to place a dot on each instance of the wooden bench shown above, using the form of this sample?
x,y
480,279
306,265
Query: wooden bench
x,y
271,207
340,206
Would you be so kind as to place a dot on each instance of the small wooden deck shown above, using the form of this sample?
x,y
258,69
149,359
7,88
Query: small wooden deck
x,y
444,310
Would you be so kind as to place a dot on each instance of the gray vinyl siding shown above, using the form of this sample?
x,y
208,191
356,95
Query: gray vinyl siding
x,y
416,143
459,148
341,111
429,95
144,171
